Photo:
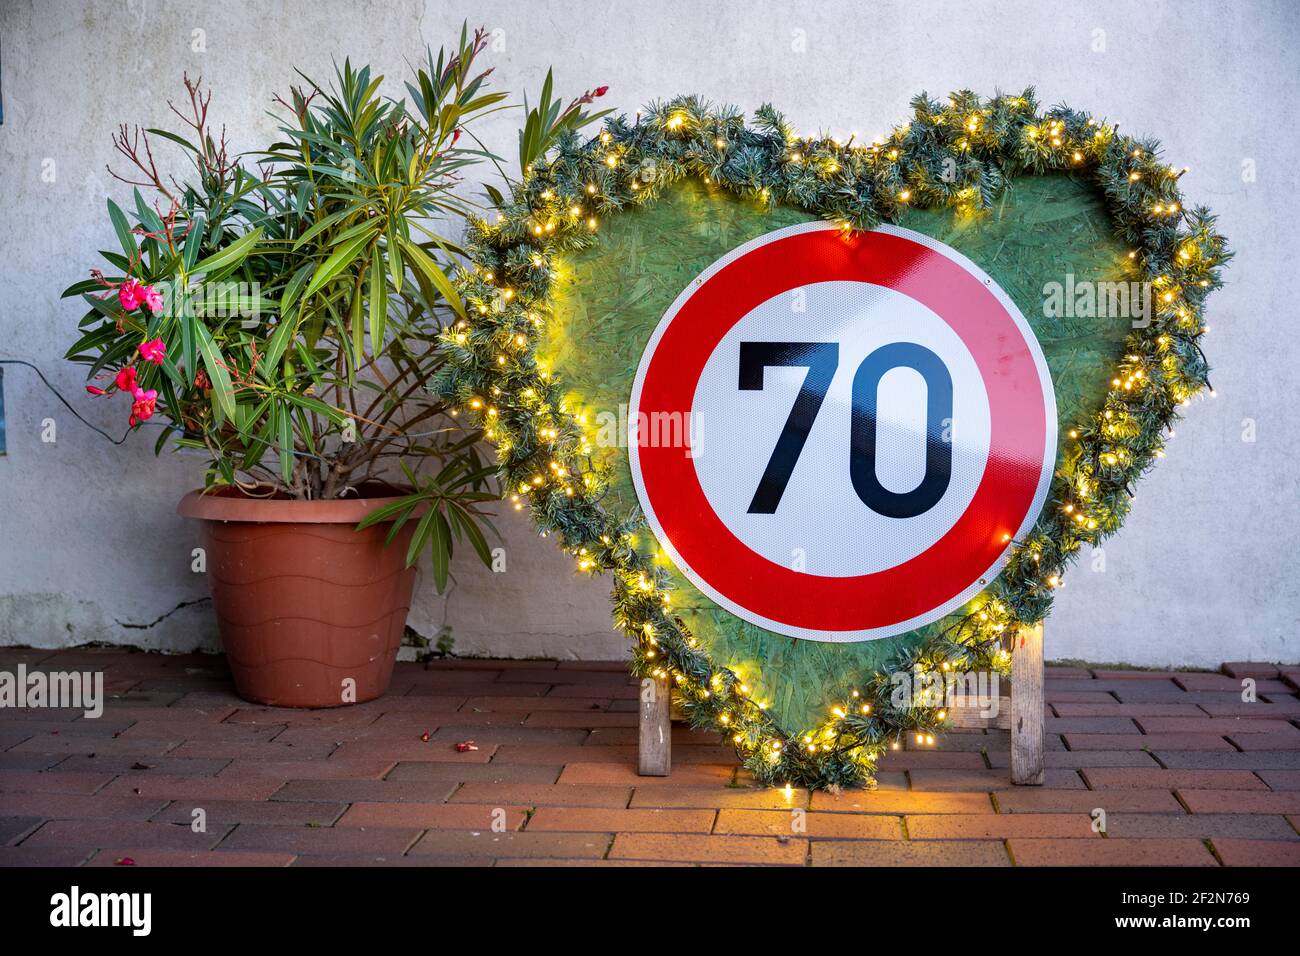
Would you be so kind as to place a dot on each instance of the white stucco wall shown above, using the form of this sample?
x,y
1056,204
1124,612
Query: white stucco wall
x,y
90,547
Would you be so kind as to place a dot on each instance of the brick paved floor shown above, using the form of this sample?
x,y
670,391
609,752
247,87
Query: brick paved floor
x,y
1185,772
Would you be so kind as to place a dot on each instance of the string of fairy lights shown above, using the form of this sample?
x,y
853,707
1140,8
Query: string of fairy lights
x,y
959,154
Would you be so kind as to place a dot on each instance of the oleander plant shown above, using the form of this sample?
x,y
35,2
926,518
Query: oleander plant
x,y
281,310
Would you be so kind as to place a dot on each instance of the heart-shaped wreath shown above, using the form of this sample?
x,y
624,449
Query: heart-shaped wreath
x,y
959,155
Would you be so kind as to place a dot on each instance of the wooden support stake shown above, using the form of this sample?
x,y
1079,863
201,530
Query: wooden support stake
x,y
1027,707
655,740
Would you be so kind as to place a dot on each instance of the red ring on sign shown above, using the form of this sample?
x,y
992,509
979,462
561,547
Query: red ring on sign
x,y
967,551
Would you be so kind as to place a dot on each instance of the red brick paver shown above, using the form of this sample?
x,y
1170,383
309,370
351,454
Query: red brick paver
x,y
684,847
927,853
1143,768
986,826
840,826
1234,801
1127,778
595,819
1257,852
1155,852
434,816
480,843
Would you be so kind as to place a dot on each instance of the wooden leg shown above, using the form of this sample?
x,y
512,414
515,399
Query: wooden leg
x,y
1027,707
655,742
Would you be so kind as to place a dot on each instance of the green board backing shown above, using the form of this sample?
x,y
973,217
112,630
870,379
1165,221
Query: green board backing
x,y
611,296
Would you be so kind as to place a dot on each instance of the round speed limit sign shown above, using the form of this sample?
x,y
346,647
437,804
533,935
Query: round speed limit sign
x,y
837,436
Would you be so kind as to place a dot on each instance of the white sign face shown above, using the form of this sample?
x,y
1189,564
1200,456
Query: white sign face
x,y
866,423
823,524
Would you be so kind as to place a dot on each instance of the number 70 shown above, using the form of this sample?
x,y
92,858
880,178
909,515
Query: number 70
x,y
821,359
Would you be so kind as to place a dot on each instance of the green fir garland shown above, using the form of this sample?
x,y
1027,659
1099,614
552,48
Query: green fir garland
x,y
958,154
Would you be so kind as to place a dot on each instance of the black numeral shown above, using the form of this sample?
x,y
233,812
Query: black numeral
x,y
862,431
821,359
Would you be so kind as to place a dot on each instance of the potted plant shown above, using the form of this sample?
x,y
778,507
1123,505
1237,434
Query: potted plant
x,y
279,312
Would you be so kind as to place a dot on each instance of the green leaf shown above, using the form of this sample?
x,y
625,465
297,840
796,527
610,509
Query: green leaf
x,y
339,260
365,225
82,287
432,530
388,511
189,342
193,242
97,338
326,223
378,302
315,405
420,535
148,218
280,340
121,262
293,288
123,229
179,140
357,326
231,255
284,442
440,549
223,392
427,267
105,307
396,267
466,520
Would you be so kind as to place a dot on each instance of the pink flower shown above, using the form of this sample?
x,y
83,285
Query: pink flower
x,y
130,293
94,390
150,297
126,379
600,91
142,407
153,351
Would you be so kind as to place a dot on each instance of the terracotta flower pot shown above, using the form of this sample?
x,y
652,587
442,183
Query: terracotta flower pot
x,y
304,601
